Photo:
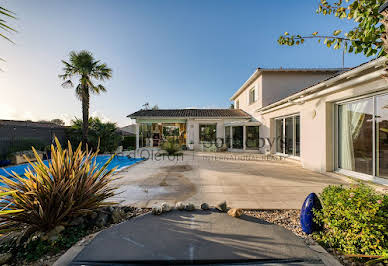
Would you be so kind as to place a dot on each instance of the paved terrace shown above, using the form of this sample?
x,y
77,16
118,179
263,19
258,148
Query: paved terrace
x,y
244,180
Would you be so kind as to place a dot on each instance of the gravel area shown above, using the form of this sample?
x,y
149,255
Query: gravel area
x,y
288,219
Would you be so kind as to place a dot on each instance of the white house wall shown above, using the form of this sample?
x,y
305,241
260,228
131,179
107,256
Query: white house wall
x,y
317,125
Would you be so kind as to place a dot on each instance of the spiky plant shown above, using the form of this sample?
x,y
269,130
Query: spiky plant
x,y
71,185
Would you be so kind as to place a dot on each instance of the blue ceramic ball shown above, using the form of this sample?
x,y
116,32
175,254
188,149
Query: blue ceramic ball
x,y
307,215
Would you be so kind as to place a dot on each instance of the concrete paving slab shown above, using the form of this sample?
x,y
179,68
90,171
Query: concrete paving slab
x,y
257,184
198,236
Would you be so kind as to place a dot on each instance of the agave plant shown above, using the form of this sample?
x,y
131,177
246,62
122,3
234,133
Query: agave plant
x,y
70,185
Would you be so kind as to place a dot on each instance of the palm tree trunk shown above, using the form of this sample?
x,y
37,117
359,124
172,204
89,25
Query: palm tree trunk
x,y
85,117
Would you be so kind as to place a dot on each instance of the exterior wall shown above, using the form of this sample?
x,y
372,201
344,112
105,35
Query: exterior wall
x,y
279,85
317,123
243,98
193,129
273,86
192,126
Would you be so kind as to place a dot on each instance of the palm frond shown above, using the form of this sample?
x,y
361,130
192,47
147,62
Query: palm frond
x,y
3,23
67,84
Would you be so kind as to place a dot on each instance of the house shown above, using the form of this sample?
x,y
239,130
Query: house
x,y
198,129
129,130
237,129
329,120
338,125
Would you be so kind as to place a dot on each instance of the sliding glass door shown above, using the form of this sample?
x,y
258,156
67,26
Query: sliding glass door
x,y
362,136
355,136
288,135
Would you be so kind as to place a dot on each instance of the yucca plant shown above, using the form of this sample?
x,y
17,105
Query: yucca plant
x,y
71,185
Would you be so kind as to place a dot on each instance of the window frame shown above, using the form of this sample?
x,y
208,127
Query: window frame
x,y
252,96
200,133
283,119
363,176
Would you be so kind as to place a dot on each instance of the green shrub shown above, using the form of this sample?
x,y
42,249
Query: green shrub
x,y
102,135
129,142
355,220
171,147
70,186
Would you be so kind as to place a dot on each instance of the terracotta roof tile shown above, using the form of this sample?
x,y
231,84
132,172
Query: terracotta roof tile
x,y
190,113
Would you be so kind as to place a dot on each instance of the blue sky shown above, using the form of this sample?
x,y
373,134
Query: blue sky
x,y
173,53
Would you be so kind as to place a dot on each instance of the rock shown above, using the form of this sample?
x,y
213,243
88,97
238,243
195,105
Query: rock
x,y
205,206
77,221
59,228
157,210
222,206
180,206
189,207
235,212
117,214
102,219
166,207
53,238
5,257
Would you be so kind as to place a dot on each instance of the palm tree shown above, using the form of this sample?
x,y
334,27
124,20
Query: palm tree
x,y
83,66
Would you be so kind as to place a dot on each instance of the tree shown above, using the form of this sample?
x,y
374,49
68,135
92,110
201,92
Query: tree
x,y
83,66
5,13
4,28
364,38
58,122
104,134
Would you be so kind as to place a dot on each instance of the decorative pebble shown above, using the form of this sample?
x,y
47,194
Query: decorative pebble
x,y
189,207
180,206
166,207
235,212
222,206
205,206
157,210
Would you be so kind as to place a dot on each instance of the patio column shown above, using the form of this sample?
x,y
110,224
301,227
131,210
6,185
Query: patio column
x,y
244,137
231,137
137,136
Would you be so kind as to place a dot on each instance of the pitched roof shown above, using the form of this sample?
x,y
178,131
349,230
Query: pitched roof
x,y
29,124
191,113
259,71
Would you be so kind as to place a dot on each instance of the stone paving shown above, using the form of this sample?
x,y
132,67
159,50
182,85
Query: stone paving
x,y
249,181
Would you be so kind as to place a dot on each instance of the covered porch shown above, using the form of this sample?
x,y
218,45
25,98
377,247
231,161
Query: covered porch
x,y
153,133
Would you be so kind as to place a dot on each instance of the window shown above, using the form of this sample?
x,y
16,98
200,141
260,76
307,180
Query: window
x,y
355,122
252,137
362,136
252,96
208,133
288,135
227,136
237,137
237,104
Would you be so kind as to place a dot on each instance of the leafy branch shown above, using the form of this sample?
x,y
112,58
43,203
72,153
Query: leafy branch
x,y
364,38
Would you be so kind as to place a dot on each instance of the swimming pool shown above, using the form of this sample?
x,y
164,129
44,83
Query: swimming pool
x,y
119,161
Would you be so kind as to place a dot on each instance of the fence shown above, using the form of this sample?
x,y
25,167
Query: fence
x,y
22,137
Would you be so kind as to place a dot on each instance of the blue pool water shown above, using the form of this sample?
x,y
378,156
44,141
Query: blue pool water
x,y
119,161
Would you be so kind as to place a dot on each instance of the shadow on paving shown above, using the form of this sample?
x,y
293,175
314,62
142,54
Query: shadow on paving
x,y
194,237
